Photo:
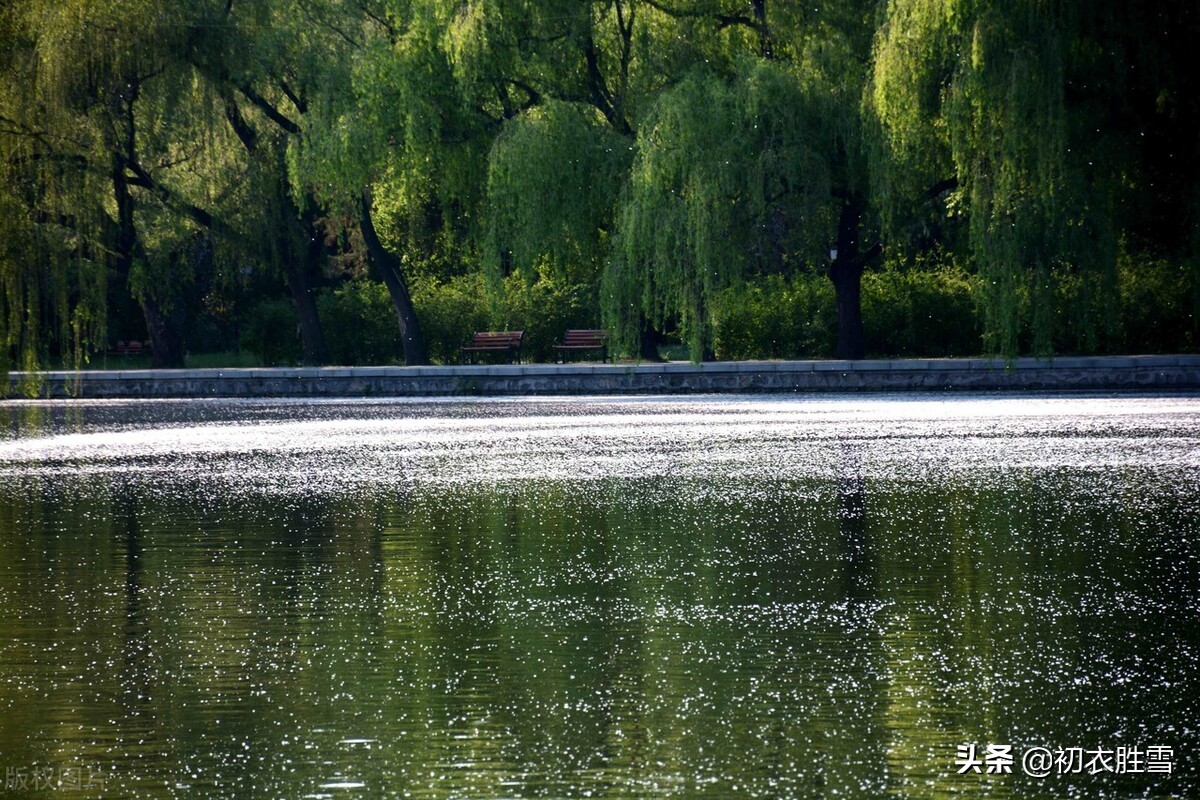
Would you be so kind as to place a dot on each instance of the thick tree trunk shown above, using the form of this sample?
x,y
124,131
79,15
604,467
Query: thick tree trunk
x,y
765,46
390,270
846,273
303,269
648,343
306,250
312,339
166,338
165,333
304,262
847,285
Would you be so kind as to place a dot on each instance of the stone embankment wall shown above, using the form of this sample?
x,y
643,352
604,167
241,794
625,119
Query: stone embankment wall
x,y
1111,373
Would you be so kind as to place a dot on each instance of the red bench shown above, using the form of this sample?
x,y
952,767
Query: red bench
x,y
494,342
583,341
130,348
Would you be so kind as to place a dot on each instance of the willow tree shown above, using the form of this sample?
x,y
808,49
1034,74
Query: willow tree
x,y
1032,109
732,175
52,280
752,163
53,229
38,260
422,127
257,63
561,87
392,145
100,117
554,175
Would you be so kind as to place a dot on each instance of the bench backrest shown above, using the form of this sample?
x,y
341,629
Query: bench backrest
x,y
585,337
497,338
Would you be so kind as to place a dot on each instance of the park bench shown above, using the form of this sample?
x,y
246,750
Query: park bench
x,y
130,348
583,341
494,342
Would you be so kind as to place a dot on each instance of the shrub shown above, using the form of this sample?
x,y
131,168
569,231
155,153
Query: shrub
x,y
930,310
359,323
450,311
770,317
544,309
1085,312
1157,305
271,331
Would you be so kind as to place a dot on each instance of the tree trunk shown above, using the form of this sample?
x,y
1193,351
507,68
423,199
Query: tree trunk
x,y
846,273
312,339
390,270
166,340
847,285
303,267
765,46
305,249
648,343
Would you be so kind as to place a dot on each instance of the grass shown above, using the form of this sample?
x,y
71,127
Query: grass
x,y
225,360
232,359
236,358
675,352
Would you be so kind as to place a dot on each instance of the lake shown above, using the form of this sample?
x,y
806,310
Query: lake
x,y
677,597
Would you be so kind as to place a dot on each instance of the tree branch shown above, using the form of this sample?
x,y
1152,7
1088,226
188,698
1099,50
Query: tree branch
x,y
77,161
350,40
722,20
273,114
143,179
295,97
379,20
939,188
534,97
243,129
625,26
600,96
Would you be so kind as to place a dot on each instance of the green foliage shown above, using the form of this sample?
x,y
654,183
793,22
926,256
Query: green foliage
x,y
388,114
554,175
51,283
1157,313
270,331
774,317
544,165
913,61
359,321
927,310
223,360
544,309
731,175
1030,107
450,312
1087,313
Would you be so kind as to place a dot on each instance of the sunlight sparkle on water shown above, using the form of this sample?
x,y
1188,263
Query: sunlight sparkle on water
x,y
607,597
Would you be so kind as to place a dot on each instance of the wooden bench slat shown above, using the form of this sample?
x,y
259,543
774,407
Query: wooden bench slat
x,y
584,339
495,342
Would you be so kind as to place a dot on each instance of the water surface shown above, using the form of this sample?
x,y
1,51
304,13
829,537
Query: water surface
x,y
710,597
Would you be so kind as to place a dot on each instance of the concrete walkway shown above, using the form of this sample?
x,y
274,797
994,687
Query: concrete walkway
x,y
1107,373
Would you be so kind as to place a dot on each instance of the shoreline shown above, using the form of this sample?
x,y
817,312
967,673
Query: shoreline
x,y
1075,373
